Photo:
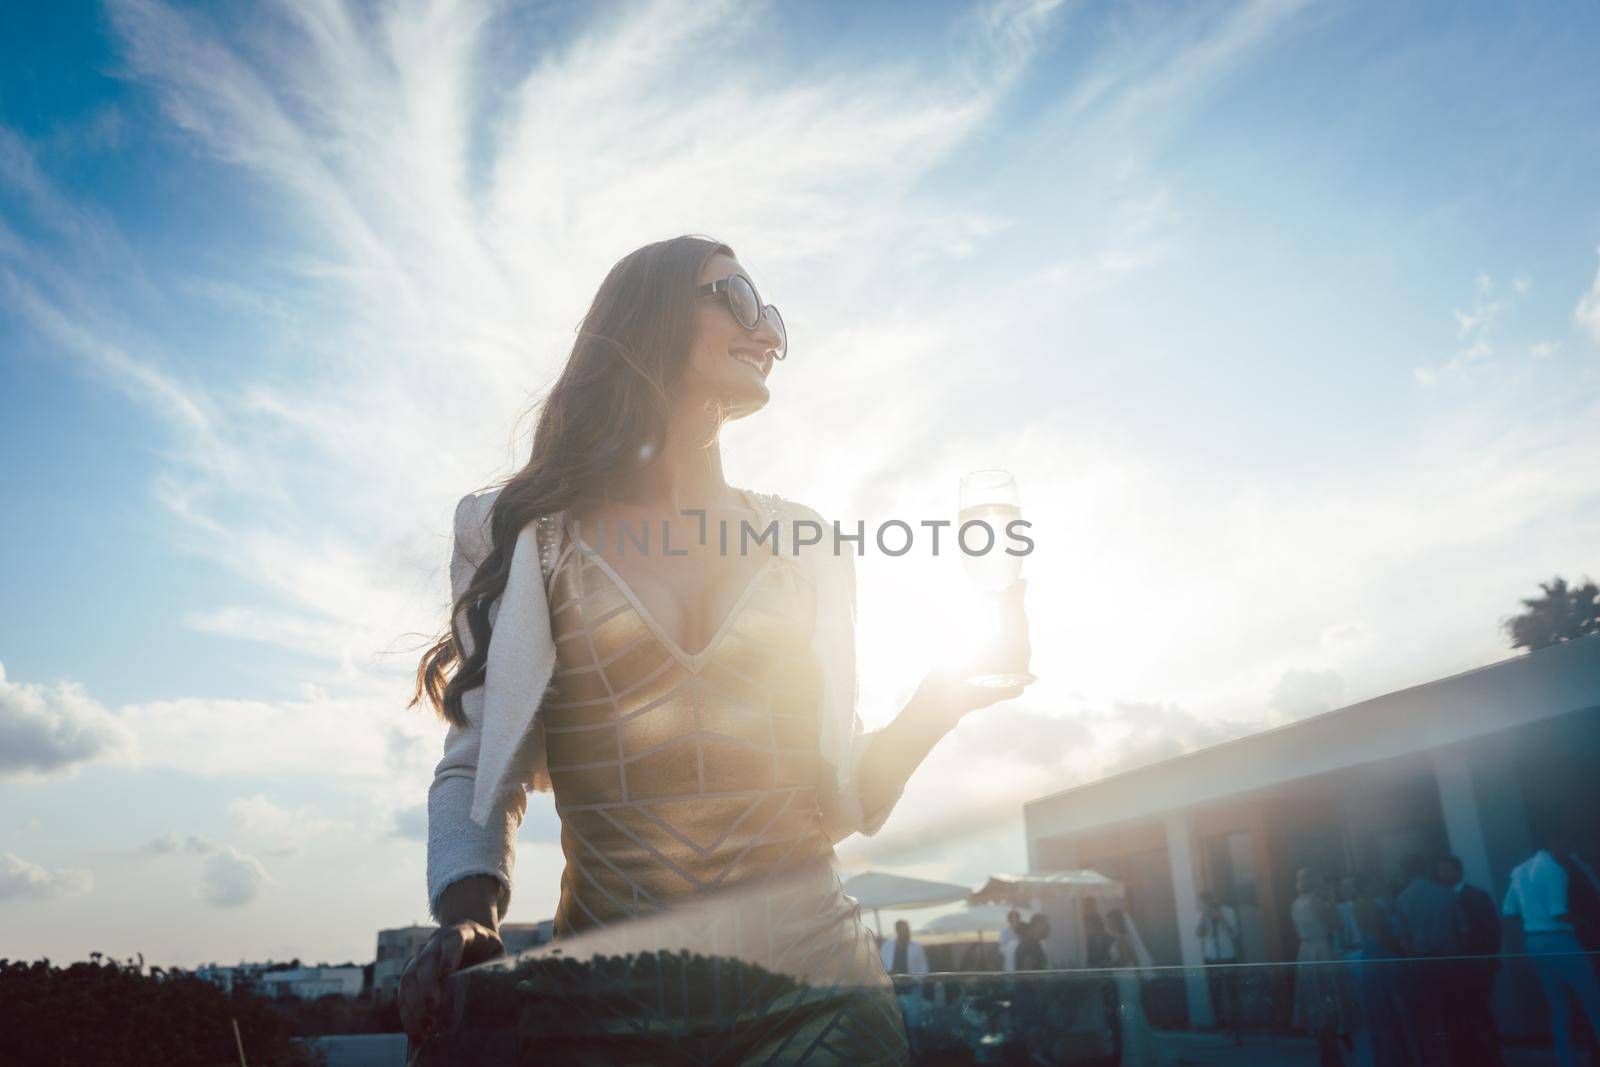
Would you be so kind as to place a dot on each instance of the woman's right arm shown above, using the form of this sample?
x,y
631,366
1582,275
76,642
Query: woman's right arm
x,y
458,846
475,898
469,866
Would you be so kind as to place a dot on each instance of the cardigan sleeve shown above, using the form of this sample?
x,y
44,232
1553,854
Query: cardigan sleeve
x,y
844,740
457,846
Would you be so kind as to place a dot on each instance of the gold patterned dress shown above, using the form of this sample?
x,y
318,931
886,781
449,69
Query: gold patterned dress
x,y
696,864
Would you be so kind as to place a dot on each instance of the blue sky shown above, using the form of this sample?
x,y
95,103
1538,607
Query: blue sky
x,y
1285,314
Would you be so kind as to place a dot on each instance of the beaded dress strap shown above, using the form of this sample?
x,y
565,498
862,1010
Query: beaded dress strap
x,y
550,529
770,505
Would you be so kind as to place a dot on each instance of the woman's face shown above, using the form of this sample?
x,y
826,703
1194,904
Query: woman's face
x,y
728,364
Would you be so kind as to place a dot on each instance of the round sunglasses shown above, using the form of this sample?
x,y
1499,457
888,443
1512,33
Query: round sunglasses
x,y
745,304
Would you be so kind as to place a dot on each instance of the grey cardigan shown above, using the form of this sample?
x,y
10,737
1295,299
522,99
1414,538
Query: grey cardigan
x,y
479,792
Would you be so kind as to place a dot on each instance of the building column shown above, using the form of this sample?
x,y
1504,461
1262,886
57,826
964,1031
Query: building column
x,y
1463,825
1186,897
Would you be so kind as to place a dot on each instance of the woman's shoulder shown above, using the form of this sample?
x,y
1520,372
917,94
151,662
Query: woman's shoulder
x,y
475,506
472,523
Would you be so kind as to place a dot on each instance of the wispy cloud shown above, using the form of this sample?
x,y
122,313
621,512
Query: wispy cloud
x,y
1163,63
85,228
280,830
171,844
21,879
1474,330
1587,313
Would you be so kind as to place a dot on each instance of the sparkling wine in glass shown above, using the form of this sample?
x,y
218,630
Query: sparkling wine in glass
x,y
990,497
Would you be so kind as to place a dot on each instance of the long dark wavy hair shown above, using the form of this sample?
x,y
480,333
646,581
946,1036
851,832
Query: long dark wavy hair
x,y
606,416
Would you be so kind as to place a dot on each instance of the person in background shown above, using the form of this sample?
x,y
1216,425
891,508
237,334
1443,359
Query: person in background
x,y
1347,938
1583,871
1539,897
1134,968
1030,954
1028,1010
1097,946
1378,989
1391,893
1583,897
905,956
1428,925
1218,931
1317,1007
1583,902
1008,940
1474,1039
1347,943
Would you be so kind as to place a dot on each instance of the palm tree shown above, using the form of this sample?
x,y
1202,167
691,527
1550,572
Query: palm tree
x,y
1558,615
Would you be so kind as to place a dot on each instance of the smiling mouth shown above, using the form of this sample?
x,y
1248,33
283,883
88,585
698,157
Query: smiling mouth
x,y
758,360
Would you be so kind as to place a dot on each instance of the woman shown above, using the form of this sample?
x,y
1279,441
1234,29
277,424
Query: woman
x,y
1134,967
1347,946
1348,939
1030,1022
1030,944
1317,1006
710,783
1097,941
1377,990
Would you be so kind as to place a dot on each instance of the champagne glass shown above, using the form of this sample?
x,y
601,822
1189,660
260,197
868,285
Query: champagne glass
x,y
990,497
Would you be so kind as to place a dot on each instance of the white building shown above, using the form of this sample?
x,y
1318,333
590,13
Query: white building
x,y
1474,765
520,937
225,978
279,980
309,983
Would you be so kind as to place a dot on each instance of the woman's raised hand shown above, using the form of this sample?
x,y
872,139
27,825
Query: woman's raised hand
x,y
453,947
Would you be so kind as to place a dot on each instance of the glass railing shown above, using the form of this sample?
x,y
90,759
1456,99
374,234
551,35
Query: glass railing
x,y
654,1009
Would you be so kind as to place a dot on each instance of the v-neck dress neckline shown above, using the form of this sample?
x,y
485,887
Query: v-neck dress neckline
x,y
692,661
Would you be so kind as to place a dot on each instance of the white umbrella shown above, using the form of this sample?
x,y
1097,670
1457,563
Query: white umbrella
x,y
1077,885
876,890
